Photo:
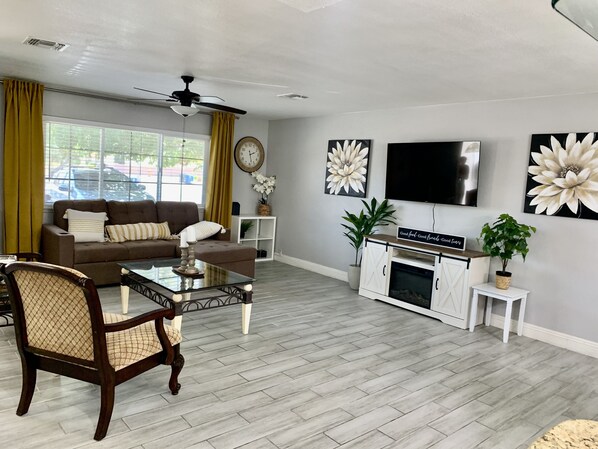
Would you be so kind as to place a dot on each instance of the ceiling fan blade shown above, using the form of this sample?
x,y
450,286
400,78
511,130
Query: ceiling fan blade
x,y
153,99
152,91
188,98
210,99
221,107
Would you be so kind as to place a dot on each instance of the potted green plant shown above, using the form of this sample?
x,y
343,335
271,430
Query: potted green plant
x,y
246,225
505,239
358,226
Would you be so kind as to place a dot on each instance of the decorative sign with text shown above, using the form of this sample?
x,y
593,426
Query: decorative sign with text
x,y
432,238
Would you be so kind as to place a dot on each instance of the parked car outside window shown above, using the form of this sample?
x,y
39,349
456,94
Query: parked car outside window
x,y
85,183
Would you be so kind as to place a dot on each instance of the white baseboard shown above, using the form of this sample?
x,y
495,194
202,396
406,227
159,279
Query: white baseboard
x,y
549,336
310,266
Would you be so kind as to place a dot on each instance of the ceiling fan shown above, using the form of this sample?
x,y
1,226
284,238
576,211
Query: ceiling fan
x,y
188,101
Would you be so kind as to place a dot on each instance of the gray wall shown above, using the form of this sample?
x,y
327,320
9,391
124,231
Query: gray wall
x,y
560,269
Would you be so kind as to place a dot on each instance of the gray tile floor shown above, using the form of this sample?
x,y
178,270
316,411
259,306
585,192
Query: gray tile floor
x,y
321,368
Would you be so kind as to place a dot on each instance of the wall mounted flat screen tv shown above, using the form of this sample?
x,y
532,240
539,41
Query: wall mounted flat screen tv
x,y
433,172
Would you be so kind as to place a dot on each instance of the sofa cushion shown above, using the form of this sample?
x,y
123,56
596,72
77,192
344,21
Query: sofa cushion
x,y
178,214
150,249
61,206
220,252
138,231
99,252
125,212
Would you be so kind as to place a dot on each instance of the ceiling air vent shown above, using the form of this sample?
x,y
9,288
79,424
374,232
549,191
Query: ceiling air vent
x,y
292,96
42,43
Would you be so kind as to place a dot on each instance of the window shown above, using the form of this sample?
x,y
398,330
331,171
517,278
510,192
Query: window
x,y
89,161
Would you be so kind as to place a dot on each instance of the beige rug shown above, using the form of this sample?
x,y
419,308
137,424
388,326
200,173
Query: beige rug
x,y
572,434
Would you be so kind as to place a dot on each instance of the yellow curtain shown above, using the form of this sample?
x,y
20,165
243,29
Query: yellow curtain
x,y
23,165
219,196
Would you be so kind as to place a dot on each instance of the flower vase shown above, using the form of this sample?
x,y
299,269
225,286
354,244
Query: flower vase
x,y
263,209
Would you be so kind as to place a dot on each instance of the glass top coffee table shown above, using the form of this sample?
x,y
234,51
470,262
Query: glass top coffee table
x,y
216,287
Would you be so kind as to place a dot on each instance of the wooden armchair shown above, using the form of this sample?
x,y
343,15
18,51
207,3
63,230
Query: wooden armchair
x,y
60,328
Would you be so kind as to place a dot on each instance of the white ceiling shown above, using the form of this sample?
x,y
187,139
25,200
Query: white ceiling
x,y
345,55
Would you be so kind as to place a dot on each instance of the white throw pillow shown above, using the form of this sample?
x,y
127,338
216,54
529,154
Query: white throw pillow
x,y
203,230
86,226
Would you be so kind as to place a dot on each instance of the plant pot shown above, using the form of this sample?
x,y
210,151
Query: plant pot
x,y
503,280
242,234
354,275
263,209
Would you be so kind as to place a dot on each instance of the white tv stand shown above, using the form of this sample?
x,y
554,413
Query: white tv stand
x,y
386,266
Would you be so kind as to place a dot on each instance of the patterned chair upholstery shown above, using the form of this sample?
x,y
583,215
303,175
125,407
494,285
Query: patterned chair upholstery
x,y
60,328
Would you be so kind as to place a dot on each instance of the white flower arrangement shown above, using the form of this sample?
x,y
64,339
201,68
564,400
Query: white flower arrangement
x,y
264,185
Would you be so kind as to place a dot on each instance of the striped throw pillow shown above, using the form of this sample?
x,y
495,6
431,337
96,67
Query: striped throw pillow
x,y
86,226
138,231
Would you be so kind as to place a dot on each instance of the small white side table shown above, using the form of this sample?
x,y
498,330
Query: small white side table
x,y
510,295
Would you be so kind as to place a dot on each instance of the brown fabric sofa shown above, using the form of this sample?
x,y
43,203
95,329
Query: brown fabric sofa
x,y
99,261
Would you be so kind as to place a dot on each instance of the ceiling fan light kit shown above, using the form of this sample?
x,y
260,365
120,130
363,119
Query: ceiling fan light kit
x,y
185,111
583,13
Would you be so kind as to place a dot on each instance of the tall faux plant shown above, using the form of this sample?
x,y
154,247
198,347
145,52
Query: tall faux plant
x,y
359,226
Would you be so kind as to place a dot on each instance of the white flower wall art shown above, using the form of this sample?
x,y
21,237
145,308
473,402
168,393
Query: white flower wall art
x,y
347,167
563,175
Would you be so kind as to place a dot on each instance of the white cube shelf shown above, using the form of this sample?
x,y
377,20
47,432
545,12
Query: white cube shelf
x,y
261,236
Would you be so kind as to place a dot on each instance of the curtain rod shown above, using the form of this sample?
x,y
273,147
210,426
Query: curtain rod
x,y
109,98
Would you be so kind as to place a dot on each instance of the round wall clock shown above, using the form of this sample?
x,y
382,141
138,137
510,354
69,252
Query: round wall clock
x,y
249,154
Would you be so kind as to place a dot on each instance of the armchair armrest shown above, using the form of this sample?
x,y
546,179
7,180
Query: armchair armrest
x,y
157,314
58,246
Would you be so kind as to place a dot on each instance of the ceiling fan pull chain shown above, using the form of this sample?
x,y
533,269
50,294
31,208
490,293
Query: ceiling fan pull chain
x,y
183,142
